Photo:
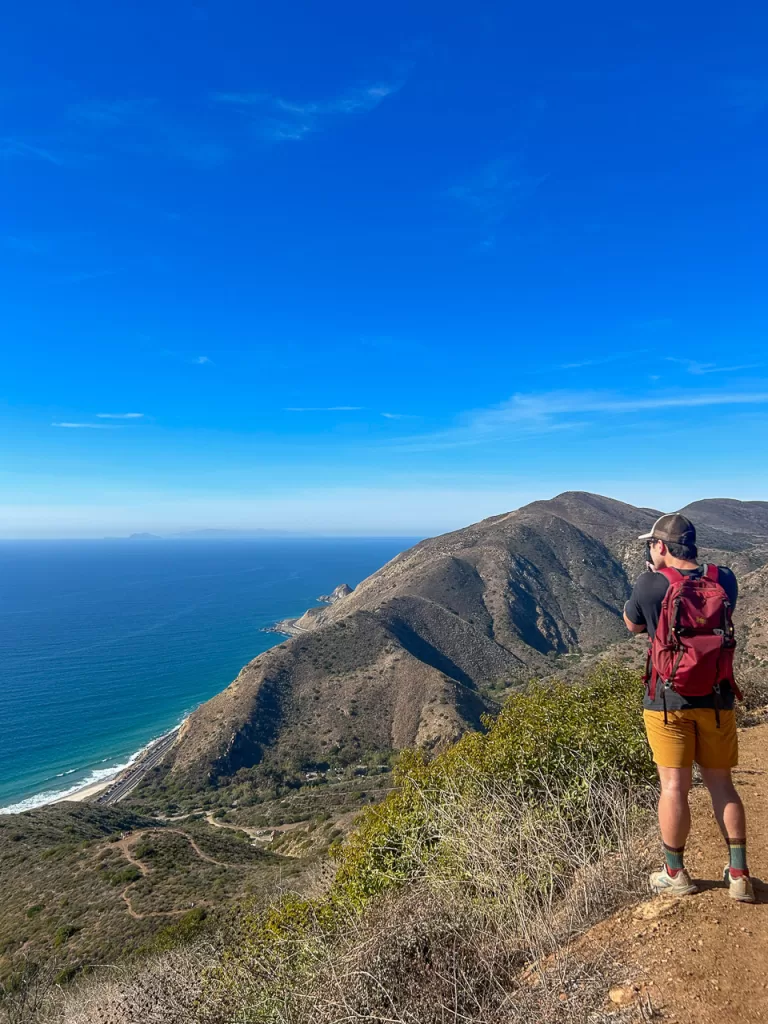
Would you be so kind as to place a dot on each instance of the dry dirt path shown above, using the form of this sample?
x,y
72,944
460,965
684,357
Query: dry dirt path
x,y
703,959
124,845
257,835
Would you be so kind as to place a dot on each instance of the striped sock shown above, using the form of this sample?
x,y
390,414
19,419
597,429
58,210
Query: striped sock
x,y
673,858
737,857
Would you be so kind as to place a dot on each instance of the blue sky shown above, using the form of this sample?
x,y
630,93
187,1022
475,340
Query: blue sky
x,y
378,268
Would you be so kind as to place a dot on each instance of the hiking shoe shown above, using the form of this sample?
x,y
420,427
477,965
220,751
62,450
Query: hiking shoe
x,y
739,889
680,885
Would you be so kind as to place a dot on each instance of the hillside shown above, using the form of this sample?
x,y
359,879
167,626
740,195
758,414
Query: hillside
x,y
83,885
504,880
419,650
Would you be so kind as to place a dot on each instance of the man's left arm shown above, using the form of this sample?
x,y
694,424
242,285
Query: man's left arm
x,y
633,627
634,619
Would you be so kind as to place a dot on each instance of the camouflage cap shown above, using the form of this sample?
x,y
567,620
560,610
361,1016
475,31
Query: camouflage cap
x,y
673,529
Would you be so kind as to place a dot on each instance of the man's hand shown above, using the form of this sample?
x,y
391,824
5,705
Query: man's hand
x,y
633,626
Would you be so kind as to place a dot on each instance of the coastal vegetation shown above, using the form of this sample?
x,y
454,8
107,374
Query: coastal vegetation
x,y
480,862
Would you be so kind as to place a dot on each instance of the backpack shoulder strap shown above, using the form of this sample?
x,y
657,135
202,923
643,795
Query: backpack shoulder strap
x,y
711,572
670,574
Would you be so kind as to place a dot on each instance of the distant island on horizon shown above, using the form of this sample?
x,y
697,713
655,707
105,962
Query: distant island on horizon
x,y
256,533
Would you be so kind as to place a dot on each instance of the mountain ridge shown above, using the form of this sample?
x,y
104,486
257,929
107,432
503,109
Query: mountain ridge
x,y
412,655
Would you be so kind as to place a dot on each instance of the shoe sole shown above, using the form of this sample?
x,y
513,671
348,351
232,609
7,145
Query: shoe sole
x,y
742,899
666,890
735,898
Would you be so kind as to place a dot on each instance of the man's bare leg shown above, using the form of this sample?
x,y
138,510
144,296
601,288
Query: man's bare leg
x,y
726,802
674,812
675,824
729,812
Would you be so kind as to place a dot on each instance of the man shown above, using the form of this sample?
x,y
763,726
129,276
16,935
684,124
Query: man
x,y
683,729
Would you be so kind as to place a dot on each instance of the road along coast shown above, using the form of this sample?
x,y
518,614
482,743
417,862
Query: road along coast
x,y
129,779
113,789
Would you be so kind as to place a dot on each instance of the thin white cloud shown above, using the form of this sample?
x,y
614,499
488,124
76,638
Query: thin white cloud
x,y
324,408
84,426
31,246
747,95
143,127
615,358
120,415
109,112
565,410
87,275
398,416
16,149
495,190
659,323
202,361
281,120
699,369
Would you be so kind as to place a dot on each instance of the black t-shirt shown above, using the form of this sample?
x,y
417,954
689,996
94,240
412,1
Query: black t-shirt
x,y
644,607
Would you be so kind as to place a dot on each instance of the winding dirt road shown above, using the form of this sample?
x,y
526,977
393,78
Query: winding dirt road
x,y
125,844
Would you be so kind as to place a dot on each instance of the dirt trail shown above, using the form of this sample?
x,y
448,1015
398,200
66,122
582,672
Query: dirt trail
x,y
703,959
124,845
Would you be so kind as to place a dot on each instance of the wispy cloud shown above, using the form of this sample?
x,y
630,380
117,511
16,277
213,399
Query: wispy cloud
x,y
653,324
17,149
324,408
120,415
398,416
110,112
699,369
30,245
749,96
142,127
80,277
281,120
202,361
85,426
564,410
495,190
602,361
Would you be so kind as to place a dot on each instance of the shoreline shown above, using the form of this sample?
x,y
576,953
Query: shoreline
x,y
80,795
91,787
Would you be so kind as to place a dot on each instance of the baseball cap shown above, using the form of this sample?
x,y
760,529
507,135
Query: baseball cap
x,y
672,528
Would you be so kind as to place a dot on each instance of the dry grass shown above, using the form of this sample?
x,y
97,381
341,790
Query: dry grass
x,y
481,937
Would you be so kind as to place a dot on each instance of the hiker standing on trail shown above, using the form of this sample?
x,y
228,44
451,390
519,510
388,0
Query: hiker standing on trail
x,y
686,610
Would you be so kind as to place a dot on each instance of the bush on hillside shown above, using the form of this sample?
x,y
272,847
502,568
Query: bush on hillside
x,y
551,736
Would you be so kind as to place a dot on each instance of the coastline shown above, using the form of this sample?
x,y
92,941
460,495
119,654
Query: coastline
x,y
85,793
223,595
97,784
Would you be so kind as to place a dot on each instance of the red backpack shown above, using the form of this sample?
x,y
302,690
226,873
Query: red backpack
x,y
692,650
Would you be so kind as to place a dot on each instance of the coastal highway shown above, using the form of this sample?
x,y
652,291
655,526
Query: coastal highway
x,y
128,780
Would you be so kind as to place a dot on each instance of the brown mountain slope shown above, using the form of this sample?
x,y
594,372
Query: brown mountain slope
x,y
400,660
730,516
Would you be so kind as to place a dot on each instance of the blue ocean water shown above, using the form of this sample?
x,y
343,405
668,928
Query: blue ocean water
x,y
105,645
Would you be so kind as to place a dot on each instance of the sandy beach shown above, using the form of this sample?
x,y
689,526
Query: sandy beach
x,y
88,791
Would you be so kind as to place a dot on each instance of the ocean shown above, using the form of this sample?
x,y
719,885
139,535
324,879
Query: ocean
x,y
106,645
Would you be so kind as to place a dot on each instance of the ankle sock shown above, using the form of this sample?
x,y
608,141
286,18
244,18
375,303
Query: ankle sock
x,y
737,857
673,858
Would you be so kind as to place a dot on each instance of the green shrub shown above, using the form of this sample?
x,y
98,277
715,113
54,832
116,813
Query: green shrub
x,y
64,934
550,735
123,877
186,928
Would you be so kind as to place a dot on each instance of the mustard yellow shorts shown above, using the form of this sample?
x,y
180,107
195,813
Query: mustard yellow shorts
x,y
692,735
